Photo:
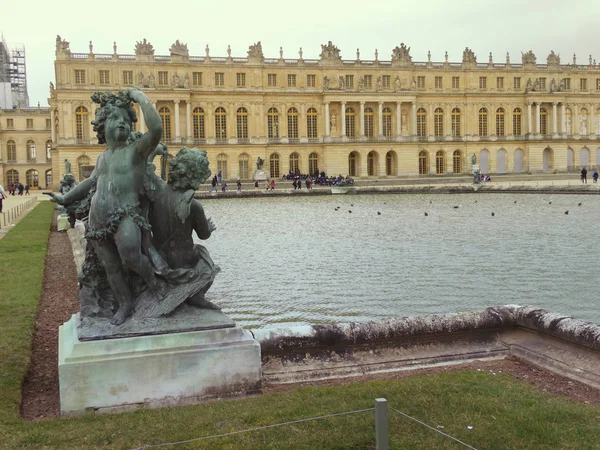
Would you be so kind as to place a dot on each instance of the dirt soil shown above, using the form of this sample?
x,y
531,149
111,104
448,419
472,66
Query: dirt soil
x,y
59,301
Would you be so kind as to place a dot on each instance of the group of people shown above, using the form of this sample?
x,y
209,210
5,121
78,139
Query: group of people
x,y
18,188
584,176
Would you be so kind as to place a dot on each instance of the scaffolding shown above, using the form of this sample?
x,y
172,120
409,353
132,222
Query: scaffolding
x,y
13,70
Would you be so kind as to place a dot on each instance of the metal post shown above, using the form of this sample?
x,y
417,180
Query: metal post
x,y
382,440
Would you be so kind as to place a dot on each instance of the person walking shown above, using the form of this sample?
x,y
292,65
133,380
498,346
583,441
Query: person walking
x,y
273,184
20,188
223,186
2,196
220,176
256,185
27,190
584,175
239,185
595,176
213,184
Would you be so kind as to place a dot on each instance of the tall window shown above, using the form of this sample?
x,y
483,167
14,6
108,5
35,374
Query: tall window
x,y
12,176
390,163
48,150
242,123
597,123
500,122
368,81
421,122
83,164
583,122
542,83
273,123
291,80
311,123
311,80
483,122
438,122
31,153
313,166
386,81
163,78
456,131
104,76
272,79
220,123
387,122
222,165
440,163
244,165
11,151
48,178
517,83
421,82
352,164
350,81
482,82
79,76
438,82
457,161
295,163
500,83
350,122
583,84
274,165
32,178
517,122
543,121
455,82
567,84
198,118
423,163
29,123
127,77
568,121
240,79
219,78
81,124
368,122
165,117
292,122
372,164
197,78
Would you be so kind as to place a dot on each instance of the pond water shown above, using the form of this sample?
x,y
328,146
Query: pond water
x,y
296,260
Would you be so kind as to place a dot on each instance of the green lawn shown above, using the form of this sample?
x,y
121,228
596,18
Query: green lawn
x,y
504,413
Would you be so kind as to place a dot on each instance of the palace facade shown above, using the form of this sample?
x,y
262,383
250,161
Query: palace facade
x,y
365,118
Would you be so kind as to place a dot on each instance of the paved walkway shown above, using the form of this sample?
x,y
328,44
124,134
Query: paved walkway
x,y
15,207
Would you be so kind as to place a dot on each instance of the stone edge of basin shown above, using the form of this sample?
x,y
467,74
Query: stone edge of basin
x,y
577,331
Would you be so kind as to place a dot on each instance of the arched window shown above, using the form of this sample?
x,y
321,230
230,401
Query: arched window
x,y
543,121
220,124
568,121
244,164
440,162
198,118
32,177
48,150
11,151
423,163
222,165
583,122
242,123
457,161
165,117
311,123
500,115
456,116
85,170
313,163
292,119
81,124
273,123
372,158
421,122
31,153
12,176
483,122
274,165
295,163
350,122
438,122
369,122
353,164
387,122
517,122
390,163
597,123
48,178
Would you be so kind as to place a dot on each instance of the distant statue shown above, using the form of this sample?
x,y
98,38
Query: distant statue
x,y
469,56
397,83
333,122
562,86
256,51
326,82
413,83
341,81
528,58
474,159
404,120
330,52
179,49
62,45
553,87
151,82
67,166
207,51
401,55
140,79
91,47
186,81
52,91
361,82
175,80
378,85
144,48
259,163
529,86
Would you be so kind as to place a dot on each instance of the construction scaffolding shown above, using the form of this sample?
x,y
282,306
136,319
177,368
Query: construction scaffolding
x,y
13,76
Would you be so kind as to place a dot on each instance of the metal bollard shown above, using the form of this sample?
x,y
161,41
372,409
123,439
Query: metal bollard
x,y
382,440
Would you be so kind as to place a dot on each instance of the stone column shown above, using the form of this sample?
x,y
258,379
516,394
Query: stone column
x,y
343,114
177,132
361,119
188,116
414,118
53,125
380,121
562,119
529,127
398,119
91,117
537,118
327,123
554,119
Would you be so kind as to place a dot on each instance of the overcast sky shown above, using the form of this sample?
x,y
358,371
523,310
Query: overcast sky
x,y
498,26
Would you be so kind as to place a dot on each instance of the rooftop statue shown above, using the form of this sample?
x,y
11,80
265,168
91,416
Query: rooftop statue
x,y
401,54
144,48
179,48
330,52
62,45
468,56
255,51
553,59
528,58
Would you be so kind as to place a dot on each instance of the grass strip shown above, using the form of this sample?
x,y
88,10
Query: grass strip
x,y
504,413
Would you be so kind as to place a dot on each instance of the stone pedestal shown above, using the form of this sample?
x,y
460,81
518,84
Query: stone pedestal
x,y
62,222
260,175
154,370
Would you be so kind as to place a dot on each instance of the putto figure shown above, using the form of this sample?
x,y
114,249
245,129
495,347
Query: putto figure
x,y
116,223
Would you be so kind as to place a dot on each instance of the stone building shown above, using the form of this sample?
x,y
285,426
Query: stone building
x,y
366,118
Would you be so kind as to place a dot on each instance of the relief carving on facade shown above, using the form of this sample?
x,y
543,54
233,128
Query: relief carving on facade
x,y
468,56
255,51
144,48
528,58
62,46
401,55
179,49
553,59
330,52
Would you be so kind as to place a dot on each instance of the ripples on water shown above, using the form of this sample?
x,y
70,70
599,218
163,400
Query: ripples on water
x,y
295,260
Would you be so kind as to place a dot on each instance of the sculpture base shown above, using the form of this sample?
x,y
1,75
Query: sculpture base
x,y
260,175
154,370
62,222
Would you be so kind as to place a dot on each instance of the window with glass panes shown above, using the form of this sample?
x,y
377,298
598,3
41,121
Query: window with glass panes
x,y
12,176
500,122
48,175
311,123
457,161
219,79
79,76
128,77
222,165
368,119
350,122
438,83
455,119
295,162
273,123
352,160
81,123
311,80
499,82
291,80
517,83
198,123
244,166
32,177
543,121
242,123
390,163
220,123
29,123
517,120
483,122
421,82
10,123
31,153
583,84
163,78
197,79
272,79
423,163
598,84
313,166
386,81
542,81
567,84
274,165
104,76
438,122
165,117
440,163
11,151
368,81
350,81
482,82
240,79
292,119
421,122
455,82
387,122
371,164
